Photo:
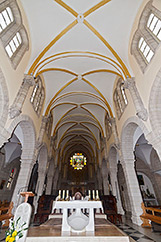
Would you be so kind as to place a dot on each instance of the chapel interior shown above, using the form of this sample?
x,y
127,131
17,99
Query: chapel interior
x,y
80,112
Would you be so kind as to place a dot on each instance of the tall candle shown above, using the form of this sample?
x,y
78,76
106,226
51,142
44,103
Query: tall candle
x,y
97,194
63,194
67,193
59,193
93,194
89,193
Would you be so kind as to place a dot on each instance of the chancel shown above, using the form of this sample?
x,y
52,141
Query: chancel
x,y
80,119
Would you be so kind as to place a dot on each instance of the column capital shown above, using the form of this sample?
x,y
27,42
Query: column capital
x,y
129,82
29,79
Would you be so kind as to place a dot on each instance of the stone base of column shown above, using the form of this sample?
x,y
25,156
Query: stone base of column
x,y
136,220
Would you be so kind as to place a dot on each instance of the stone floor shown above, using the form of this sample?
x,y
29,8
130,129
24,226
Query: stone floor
x,y
122,231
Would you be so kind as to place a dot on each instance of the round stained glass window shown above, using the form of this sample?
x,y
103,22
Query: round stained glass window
x,y
78,161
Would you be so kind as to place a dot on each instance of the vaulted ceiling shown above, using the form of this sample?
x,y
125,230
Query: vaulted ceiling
x,y
80,47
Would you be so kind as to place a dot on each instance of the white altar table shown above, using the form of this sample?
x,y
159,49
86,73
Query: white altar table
x,y
78,205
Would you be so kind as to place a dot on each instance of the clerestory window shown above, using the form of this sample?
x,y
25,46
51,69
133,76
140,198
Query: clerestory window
x,y
6,18
13,35
14,44
154,25
38,95
145,49
147,36
120,98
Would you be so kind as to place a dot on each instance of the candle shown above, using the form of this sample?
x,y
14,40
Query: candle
x,y
60,193
67,193
97,195
93,194
63,194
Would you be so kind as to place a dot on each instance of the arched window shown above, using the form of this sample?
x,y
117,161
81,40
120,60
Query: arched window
x,y
38,95
13,35
147,36
120,99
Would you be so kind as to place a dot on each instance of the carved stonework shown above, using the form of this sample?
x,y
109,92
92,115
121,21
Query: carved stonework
x,y
115,133
14,111
16,107
141,112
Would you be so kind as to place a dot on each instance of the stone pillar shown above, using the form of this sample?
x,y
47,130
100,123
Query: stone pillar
x,y
105,177
55,180
133,191
50,177
115,189
16,107
141,112
40,184
115,133
22,181
42,130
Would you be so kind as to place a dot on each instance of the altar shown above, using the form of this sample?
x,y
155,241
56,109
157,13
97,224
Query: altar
x,y
78,221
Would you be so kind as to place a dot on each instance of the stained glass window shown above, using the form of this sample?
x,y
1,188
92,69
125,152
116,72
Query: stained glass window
x,y
78,161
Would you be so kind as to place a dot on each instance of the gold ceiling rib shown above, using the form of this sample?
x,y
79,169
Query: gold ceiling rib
x,y
66,133
97,104
95,119
56,69
92,134
94,8
70,82
78,115
63,32
78,93
49,105
67,122
76,130
107,45
69,9
85,55
55,129
54,132
70,144
101,70
65,103
108,106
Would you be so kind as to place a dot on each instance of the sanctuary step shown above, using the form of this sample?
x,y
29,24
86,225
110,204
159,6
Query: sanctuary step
x,y
50,231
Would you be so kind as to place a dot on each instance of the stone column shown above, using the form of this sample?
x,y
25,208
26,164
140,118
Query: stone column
x,y
42,130
115,188
115,133
22,181
16,107
55,180
105,177
50,177
133,190
40,184
141,112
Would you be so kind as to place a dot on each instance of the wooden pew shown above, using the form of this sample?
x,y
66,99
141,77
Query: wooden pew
x,y
150,213
6,214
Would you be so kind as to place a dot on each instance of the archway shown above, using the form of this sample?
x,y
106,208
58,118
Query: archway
x,y
26,134
130,133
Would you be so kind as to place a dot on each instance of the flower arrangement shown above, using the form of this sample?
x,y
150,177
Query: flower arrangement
x,y
15,231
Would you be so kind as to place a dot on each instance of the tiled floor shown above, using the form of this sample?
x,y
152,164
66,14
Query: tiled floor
x,y
134,234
